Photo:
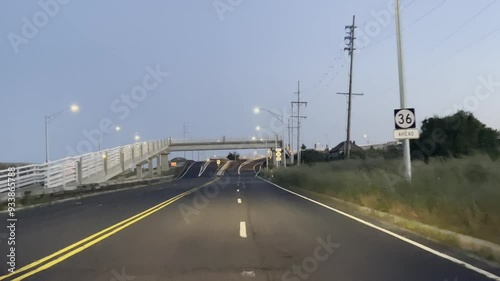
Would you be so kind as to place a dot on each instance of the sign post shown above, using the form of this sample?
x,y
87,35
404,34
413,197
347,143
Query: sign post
x,y
405,129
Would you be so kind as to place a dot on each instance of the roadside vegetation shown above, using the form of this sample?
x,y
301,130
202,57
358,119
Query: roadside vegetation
x,y
455,186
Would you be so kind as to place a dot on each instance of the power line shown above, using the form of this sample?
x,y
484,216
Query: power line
x,y
407,5
426,14
464,24
410,25
450,57
461,49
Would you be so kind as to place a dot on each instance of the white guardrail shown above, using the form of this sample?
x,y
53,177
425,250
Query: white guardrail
x,y
87,168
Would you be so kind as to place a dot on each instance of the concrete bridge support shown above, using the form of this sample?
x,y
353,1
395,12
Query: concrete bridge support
x,y
164,162
138,169
150,166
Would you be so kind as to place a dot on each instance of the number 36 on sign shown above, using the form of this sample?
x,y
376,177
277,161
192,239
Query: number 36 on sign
x,y
405,124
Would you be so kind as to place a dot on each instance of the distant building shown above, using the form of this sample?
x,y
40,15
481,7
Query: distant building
x,y
380,146
338,151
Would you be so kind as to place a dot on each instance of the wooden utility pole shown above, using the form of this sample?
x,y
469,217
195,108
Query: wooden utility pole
x,y
298,116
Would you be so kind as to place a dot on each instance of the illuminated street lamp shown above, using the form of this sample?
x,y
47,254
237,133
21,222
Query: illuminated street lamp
x,y
48,118
101,136
280,118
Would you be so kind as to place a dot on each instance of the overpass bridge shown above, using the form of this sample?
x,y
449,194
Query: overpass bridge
x,y
233,144
101,166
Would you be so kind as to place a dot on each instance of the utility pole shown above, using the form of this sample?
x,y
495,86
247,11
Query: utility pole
x,y
406,142
350,48
290,139
185,132
298,116
291,142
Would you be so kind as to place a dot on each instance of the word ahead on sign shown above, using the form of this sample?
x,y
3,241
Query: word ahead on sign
x,y
406,134
404,122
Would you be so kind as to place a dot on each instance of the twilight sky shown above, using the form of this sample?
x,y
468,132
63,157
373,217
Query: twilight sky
x,y
209,63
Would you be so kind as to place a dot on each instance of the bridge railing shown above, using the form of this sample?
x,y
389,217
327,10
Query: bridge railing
x,y
221,140
68,171
95,166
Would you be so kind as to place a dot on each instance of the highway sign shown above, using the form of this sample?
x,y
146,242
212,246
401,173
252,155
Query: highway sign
x,y
278,154
404,118
406,134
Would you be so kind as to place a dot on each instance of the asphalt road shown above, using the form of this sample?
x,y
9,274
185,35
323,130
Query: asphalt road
x,y
237,228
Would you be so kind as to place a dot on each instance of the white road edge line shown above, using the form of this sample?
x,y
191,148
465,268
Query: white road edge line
x,y
239,201
187,170
243,230
204,167
416,244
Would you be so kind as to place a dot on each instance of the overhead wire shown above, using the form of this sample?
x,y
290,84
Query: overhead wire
x,y
464,24
409,25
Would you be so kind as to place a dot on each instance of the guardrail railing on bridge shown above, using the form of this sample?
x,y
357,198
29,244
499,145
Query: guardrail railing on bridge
x,y
87,168
95,167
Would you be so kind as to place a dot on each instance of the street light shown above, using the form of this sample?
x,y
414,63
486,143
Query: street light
x,y
101,136
137,137
48,118
280,118
74,108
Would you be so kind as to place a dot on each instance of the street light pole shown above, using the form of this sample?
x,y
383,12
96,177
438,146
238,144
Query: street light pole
x,y
46,139
267,157
48,118
281,119
406,142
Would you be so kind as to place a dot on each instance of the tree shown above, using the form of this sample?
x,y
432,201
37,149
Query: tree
x,y
454,136
303,147
233,156
312,156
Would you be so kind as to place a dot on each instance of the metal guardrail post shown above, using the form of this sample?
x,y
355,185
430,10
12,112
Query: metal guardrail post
x,y
63,176
79,171
105,162
122,159
47,176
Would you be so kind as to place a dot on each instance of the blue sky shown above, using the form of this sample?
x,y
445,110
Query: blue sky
x,y
223,63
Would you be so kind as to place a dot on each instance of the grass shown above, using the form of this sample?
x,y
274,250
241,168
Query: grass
x,y
461,195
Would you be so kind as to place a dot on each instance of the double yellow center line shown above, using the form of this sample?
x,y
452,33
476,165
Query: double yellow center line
x,y
75,248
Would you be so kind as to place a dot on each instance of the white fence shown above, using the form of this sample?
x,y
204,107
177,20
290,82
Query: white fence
x,y
87,168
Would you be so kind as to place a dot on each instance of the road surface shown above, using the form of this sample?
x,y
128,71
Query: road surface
x,y
237,227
